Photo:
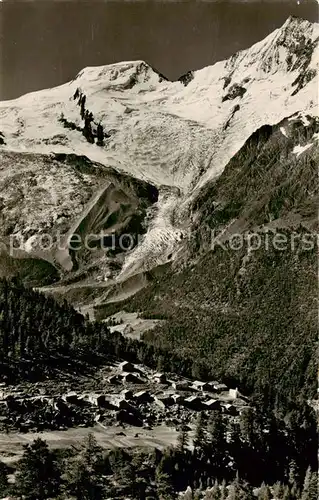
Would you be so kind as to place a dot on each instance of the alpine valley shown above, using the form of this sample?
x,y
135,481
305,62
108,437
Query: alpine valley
x,y
162,183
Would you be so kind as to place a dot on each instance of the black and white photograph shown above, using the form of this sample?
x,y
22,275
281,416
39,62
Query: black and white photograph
x,y
159,249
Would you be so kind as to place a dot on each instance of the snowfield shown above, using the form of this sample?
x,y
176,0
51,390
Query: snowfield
x,y
165,132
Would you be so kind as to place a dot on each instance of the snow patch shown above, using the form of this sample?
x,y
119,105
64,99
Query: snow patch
x,y
298,150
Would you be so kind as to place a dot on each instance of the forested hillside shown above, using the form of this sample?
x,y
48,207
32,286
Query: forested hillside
x,y
39,336
249,319
241,298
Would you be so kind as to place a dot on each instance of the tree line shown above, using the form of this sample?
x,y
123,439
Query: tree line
x,y
91,134
209,470
88,118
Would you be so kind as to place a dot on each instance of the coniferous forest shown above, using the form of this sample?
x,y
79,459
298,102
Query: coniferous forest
x,y
268,449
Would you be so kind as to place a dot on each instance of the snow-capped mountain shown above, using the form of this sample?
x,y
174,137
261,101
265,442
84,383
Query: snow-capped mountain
x,y
168,132
176,136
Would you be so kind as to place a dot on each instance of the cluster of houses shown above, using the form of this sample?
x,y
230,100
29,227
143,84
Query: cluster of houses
x,y
196,403
124,403
70,409
24,412
128,405
121,400
194,395
128,373
126,399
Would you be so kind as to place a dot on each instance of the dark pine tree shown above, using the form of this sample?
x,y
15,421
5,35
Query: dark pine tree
x,y
100,135
82,104
38,475
87,130
84,478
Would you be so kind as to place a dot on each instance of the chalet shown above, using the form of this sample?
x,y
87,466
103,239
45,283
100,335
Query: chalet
x,y
107,404
212,404
125,366
193,402
178,399
160,378
115,379
70,397
61,406
220,387
201,386
96,399
231,409
143,397
82,400
233,393
122,404
180,385
131,378
100,400
164,400
127,394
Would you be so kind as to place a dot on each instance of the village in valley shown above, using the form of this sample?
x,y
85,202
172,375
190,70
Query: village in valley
x,y
121,394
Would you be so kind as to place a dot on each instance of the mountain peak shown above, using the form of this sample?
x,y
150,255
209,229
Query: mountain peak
x,y
290,47
294,26
296,20
124,75
289,54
